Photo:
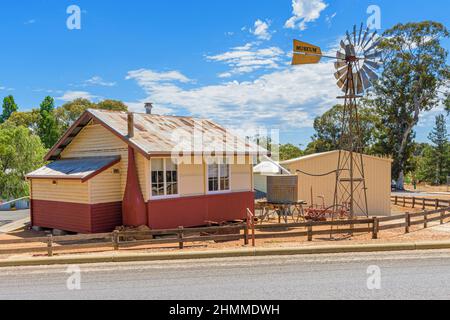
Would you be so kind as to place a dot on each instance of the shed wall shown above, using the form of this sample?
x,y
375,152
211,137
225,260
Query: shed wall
x,y
378,177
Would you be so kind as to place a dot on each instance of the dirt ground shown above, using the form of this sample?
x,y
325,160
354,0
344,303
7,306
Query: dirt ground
x,y
435,232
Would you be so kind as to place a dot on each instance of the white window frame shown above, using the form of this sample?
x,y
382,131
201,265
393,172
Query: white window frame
x,y
171,196
207,178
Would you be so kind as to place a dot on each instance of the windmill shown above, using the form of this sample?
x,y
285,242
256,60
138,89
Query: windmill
x,y
356,63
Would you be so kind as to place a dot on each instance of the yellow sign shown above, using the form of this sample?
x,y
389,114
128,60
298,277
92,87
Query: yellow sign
x,y
305,53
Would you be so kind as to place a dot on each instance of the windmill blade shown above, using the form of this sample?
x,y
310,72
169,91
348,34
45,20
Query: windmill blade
x,y
340,55
365,80
354,34
373,64
372,75
365,36
339,65
374,55
350,50
373,46
360,34
342,44
370,39
349,39
342,84
358,83
340,73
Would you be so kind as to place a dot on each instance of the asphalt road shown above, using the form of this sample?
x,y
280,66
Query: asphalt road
x,y
11,216
409,275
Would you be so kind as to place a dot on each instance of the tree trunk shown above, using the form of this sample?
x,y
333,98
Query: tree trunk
x,y
401,181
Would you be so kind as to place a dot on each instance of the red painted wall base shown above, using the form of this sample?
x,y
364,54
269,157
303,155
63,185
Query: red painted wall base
x,y
196,211
162,214
74,217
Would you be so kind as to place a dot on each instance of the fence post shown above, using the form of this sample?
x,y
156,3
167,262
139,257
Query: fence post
x,y
253,232
180,237
442,216
246,234
407,222
414,202
375,227
396,200
115,240
50,245
310,232
423,206
437,204
425,216
404,202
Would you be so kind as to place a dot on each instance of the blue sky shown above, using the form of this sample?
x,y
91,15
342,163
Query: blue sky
x,y
223,60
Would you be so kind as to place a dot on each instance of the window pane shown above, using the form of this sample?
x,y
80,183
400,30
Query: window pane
x,y
171,178
157,177
224,177
213,177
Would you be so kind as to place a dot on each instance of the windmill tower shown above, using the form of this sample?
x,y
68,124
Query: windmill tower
x,y
356,63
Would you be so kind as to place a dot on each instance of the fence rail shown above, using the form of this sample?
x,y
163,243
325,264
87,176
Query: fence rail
x,y
417,202
243,231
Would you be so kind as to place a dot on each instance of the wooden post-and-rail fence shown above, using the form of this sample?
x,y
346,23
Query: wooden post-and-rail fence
x,y
247,231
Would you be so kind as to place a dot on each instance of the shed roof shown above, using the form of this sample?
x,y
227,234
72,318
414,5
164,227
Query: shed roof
x,y
269,167
322,154
77,169
161,135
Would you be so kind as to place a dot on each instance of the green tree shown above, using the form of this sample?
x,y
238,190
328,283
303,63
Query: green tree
x,y
440,154
20,153
9,107
113,105
328,130
414,69
69,112
48,129
289,151
25,119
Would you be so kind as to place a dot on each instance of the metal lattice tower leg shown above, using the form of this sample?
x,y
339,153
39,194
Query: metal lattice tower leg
x,y
351,189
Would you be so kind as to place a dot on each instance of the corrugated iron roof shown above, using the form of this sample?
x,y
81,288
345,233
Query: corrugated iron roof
x,y
77,169
157,134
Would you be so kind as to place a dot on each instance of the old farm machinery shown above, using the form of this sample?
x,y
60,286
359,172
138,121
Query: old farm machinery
x,y
356,63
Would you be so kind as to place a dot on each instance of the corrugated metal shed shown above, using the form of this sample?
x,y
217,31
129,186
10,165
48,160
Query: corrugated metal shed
x,y
377,174
160,135
79,169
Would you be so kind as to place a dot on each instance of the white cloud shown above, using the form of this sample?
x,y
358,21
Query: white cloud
x,y
31,21
329,19
305,11
149,76
72,95
98,81
283,99
249,58
261,30
3,88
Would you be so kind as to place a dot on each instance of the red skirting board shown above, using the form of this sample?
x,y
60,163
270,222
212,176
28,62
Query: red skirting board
x,y
196,211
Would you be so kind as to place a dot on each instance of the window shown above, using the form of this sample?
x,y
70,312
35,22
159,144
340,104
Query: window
x,y
164,178
218,177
